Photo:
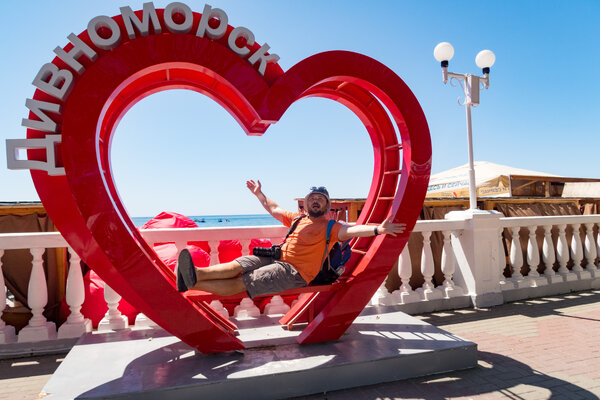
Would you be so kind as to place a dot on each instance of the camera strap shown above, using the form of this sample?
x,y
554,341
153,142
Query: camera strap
x,y
295,223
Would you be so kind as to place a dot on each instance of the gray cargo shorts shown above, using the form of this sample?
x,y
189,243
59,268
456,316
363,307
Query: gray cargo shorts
x,y
264,275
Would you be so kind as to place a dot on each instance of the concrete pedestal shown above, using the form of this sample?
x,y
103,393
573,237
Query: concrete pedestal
x,y
381,346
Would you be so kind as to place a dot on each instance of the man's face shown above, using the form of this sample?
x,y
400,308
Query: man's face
x,y
316,205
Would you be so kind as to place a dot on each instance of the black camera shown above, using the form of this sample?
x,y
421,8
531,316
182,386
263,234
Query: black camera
x,y
274,252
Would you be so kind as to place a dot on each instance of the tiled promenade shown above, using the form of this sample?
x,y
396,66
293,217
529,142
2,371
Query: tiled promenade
x,y
546,348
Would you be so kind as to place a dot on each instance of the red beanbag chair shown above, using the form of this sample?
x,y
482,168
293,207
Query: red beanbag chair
x,y
168,219
168,254
229,250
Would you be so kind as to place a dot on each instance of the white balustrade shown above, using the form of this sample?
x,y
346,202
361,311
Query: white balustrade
x,y
113,320
76,324
449,267
549,257
383,297
505,284
428,290
7,332
142,321
246,309
462,240
562,252
577,254
405,294
220,308
214,251
590,250
276,306
516,257
533,259
245,246
598,245
38,328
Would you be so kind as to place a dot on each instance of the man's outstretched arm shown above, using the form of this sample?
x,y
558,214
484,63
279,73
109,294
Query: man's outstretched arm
x,y
387,227
269,205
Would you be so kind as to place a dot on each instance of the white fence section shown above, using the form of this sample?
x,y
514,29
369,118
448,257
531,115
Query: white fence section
x,y
479,265
484,262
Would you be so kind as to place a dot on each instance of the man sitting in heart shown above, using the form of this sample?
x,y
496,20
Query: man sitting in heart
x,y
292,265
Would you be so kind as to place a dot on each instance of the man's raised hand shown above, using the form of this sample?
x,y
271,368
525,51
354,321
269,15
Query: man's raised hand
x,y
255,187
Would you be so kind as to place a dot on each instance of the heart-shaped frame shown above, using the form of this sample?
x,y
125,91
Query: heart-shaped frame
x,y
85,206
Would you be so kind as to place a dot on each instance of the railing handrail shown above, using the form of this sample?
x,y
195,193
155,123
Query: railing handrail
x,y
207,234
439,225
31,240
28,240
509,222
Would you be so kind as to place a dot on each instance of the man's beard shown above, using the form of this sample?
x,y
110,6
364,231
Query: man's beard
x,y
316,214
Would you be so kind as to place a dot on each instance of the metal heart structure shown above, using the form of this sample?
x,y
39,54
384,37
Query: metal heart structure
x,y
84,203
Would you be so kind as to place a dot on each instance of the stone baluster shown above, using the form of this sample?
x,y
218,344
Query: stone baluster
x,y
276,306
76,324
549,257
246,309
245,246
214,251
113,320
7,332
562,252
405,294
449,267
220,308
505,284
533,259
142,321
383,297
428,291
38,327
590,250
577,254
516,257
598,246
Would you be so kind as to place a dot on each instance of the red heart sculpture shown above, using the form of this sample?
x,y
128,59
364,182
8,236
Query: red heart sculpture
x,y
85,205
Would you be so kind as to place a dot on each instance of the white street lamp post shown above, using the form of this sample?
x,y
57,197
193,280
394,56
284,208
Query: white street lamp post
x,y
470,84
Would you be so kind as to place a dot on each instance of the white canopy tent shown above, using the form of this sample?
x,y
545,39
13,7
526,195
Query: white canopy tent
x,y
492,180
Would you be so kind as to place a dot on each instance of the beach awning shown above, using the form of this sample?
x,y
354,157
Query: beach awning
x,y
581,189
492,180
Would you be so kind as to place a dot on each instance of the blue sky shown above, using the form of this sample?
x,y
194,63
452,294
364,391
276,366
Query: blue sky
x,y
179,151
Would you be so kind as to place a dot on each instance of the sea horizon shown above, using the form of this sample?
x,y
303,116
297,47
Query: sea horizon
x,y
221,220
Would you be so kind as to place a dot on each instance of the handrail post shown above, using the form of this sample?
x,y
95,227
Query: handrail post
x,y
38,327
76,324
7,332
476,250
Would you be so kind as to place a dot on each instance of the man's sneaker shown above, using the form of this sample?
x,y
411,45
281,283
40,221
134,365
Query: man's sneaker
x,y
186,272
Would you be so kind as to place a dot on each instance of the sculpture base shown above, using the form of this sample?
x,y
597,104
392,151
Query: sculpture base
x,y
151,364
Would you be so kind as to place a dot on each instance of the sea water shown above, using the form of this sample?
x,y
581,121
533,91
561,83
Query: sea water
x,y
206,221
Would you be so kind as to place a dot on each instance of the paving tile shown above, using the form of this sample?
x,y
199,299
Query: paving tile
x,y
533,349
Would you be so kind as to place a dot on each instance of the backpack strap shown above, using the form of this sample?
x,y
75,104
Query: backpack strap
x,y
330,224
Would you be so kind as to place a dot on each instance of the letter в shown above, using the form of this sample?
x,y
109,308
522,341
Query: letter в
x,y
53,81
79,48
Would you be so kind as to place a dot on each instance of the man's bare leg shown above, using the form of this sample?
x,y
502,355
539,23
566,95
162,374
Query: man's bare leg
x,y
220,271
222,287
